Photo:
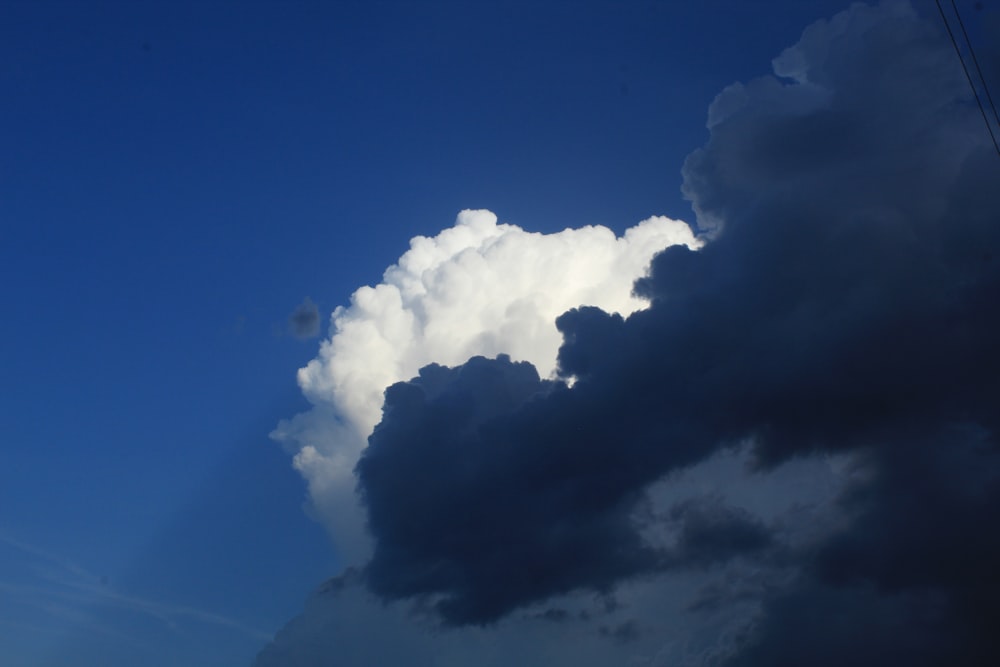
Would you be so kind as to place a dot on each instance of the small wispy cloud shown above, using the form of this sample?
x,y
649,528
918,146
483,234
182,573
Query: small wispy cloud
x,y
304,320
62,589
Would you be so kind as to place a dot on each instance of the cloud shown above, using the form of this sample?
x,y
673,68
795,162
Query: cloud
x,y
345,624
304,320
711,532
478,496
461,506
913,573
842,316
644,621
63,590
477,288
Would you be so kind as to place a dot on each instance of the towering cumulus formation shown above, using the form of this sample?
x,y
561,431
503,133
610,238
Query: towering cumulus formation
x,y
838,332
478,288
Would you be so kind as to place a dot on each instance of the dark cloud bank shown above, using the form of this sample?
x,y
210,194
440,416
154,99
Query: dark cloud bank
x,y
849,303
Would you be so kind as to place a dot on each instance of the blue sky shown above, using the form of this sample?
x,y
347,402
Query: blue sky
x,y
177,177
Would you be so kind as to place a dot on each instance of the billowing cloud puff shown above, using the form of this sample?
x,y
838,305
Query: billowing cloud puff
x,y
478,288
843,315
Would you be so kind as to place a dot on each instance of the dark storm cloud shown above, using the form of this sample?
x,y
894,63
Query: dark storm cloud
x,y
463,507
712,533
848,303
304,320
622,633
914,573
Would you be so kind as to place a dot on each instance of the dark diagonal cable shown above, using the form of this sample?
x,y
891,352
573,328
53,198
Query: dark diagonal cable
x,y
975,61
975,93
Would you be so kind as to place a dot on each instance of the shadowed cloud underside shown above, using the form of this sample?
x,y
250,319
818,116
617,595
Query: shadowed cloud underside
x,y
844,311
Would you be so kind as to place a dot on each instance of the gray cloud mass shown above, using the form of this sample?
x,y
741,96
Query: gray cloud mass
x,y
846,306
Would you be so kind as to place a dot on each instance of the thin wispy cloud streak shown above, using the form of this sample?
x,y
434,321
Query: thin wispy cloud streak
x,y
839,322
71,592
48,557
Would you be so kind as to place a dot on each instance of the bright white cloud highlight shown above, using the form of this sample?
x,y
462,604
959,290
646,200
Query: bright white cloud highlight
x,y
477,288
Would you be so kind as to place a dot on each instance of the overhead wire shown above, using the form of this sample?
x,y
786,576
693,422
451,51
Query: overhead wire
x,y
968,75
975,61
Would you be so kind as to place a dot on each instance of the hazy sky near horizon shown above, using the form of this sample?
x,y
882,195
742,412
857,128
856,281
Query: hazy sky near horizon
x,y
188,191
